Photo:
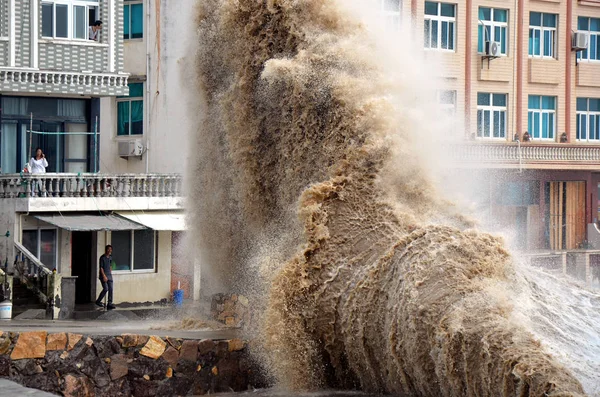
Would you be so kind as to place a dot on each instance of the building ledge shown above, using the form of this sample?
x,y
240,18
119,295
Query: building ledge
x,y
525,155
52,81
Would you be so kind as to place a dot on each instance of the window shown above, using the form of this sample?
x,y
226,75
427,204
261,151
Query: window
x,y
491,115
133,250
591,26
68,19
440,24
447,101
541,121
130,111
542,34
493,26
133,15
42,244
588,119
390,10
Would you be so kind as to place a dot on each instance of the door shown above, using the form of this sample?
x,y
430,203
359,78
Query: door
x,y
82,265
566,214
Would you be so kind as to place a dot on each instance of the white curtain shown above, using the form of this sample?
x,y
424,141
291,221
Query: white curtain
x,y
76,147
8,145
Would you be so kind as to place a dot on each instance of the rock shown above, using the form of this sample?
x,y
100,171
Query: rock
x,y
154,348
230,321
64,355
215,371
129,340
118,366
107,360
142,339
169,373
77,386
206,346
56,341
236,345
30,345
189,350
4,366
106,346
199,368
73,339
146,377
89,342
243,300
4,345
171,356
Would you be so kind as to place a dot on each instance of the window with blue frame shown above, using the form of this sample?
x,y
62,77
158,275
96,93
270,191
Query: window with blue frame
x,y
493,26
588,119
591,26
440,23
133,15
491,115
542,34
541,121
130,111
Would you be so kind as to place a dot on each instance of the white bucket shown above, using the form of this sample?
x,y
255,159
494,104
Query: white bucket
x,y
5,310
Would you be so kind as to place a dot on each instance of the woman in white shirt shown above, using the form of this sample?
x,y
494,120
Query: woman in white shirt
x,y
37,165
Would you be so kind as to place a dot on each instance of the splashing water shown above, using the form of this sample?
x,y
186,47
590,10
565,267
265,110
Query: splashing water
x,y
310,165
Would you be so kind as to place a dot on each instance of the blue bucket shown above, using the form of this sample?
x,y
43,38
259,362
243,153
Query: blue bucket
x,y
178,297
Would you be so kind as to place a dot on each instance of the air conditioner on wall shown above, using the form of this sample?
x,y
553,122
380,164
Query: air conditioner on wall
x,y
580,41
492,49
133,148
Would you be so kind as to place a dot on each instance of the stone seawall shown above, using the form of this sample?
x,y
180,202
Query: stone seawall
x,y
126,365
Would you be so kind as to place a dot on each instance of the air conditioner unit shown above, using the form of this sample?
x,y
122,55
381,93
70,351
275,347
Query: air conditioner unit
x,y
492,49
580,41
133,148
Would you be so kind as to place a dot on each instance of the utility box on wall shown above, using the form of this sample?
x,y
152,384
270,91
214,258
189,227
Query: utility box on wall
x,y
133,148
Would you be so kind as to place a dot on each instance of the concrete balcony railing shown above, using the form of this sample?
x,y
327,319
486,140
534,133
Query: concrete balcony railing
x,y
525,155
43,186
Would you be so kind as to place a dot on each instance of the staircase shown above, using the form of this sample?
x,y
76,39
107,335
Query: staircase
x,y
24,299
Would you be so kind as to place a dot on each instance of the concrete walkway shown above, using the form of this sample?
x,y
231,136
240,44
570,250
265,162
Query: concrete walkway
x,y
12,389
159,328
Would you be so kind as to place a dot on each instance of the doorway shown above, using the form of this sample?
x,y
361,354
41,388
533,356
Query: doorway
x,y
82,265
565,214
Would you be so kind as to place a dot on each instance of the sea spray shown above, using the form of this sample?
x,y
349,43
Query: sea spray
x,y
383,287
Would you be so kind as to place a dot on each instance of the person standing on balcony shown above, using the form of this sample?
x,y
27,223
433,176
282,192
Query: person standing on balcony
x,y
105,275
37,165
95,30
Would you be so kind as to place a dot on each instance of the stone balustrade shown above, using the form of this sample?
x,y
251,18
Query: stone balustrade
x,y
524,153
64,78
42,186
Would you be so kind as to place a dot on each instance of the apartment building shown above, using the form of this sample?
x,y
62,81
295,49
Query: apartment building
x,y
95,107
524,76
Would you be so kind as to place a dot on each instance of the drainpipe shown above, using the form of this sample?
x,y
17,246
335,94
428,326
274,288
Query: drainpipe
x,y
148,98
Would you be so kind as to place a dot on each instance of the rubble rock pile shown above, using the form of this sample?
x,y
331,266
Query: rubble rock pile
x,y
231,309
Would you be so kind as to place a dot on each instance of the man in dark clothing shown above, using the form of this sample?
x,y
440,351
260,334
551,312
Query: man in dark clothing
x,y
106,279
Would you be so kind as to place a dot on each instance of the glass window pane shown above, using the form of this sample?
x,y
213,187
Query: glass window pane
x,y
485,14
537,42
8,144
594,50
136,90
434,34
496,124
486,124
137,21
499,99
137,117
48,248
445,35
503,41
548,102
390,5
578,126
550,20
583,23
530,123
535,19
534,102
531,41
121,243
502,124
447,10
536,124
426,33
483,99
451,35
480,123
582,104
126,19
30,241
480,38
123,117
79,25
545,126
62,20
143,249
548,42
431,8
594,105
595,24
500,15
47,20
593,127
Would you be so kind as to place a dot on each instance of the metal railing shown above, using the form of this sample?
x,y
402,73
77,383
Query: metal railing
x,y
90,185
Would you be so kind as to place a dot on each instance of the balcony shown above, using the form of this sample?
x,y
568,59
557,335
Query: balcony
x,y
92,192
64,82
525,156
